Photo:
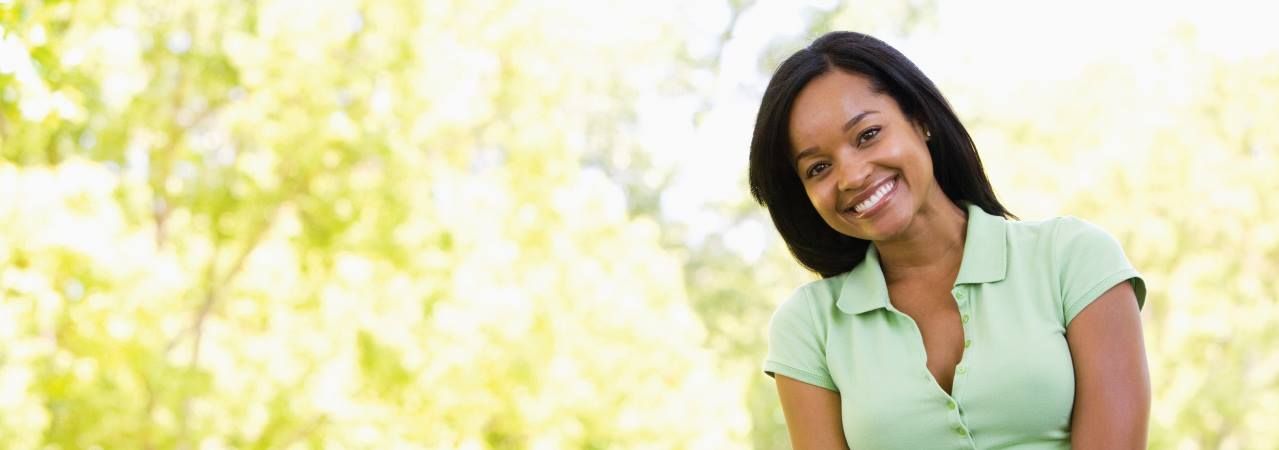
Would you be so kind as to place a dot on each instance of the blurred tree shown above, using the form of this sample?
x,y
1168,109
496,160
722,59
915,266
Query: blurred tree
x,y
339,224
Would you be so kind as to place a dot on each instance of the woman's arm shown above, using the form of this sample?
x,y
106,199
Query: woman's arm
x,y
1112,382
812,415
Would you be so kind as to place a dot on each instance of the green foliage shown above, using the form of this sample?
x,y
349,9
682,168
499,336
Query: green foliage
x,y
347,224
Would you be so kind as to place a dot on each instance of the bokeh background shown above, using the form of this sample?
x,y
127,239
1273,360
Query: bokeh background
x,y
492,224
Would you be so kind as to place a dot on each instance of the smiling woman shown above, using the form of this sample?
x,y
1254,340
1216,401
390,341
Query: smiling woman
x,y
939,322
878,139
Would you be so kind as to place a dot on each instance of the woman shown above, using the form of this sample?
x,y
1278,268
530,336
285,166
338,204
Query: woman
x,y
938,322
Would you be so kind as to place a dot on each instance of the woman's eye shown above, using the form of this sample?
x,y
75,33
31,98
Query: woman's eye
x,y
816,169
867,135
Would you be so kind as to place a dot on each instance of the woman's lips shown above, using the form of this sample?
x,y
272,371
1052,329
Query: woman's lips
x,y
876,201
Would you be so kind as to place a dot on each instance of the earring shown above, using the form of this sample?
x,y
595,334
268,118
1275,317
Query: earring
x,y
928,135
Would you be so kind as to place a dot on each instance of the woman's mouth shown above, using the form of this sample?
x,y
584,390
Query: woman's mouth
x,y
878,198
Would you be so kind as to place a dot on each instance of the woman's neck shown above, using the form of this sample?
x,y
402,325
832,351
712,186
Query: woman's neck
x,y
931,246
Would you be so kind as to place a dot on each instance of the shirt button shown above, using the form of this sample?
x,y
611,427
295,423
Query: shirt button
x,y
962,370
964,318
959,295
968,343
959,430
950,404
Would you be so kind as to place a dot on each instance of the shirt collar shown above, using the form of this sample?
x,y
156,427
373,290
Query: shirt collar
x,y
985,261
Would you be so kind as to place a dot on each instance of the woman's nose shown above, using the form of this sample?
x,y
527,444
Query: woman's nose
x,y
853,175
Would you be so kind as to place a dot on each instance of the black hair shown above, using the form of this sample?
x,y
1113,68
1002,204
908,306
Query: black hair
x,y
775,184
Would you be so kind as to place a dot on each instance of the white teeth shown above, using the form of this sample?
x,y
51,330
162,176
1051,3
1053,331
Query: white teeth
x,y
874,198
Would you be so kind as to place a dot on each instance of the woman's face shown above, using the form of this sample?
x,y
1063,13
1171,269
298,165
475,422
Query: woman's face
x,y
863,163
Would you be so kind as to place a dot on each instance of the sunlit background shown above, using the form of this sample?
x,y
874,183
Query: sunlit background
x,y
525,225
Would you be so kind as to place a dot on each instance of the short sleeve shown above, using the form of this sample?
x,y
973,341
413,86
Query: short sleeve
x,y
1089,262
797,344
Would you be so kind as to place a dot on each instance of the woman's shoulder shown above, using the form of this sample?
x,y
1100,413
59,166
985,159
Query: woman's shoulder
x,y
1053,233
819,293
817,299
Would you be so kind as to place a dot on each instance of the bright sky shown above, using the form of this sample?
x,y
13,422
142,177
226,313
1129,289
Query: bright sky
x,y
988,43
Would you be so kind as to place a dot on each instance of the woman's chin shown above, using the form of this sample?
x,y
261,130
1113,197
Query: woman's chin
x,y
883,229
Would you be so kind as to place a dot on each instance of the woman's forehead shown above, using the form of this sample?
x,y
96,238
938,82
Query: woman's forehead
x,y
831,101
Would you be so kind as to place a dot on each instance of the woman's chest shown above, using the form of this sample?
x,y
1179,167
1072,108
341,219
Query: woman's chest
x,y
934,314
1012,373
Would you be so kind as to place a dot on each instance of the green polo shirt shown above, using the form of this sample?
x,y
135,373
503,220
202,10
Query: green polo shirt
x,y
1020,283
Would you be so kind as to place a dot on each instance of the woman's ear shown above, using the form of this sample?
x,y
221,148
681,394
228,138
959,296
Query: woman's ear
x,y
923,131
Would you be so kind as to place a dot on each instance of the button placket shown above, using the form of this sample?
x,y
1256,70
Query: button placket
x,y
962,299
964,302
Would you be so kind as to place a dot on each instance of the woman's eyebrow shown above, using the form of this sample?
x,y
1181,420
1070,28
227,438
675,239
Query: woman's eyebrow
x,y
847,126
857,118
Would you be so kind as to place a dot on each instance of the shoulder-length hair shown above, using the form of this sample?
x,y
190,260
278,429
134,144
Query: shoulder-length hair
x,y
775,184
